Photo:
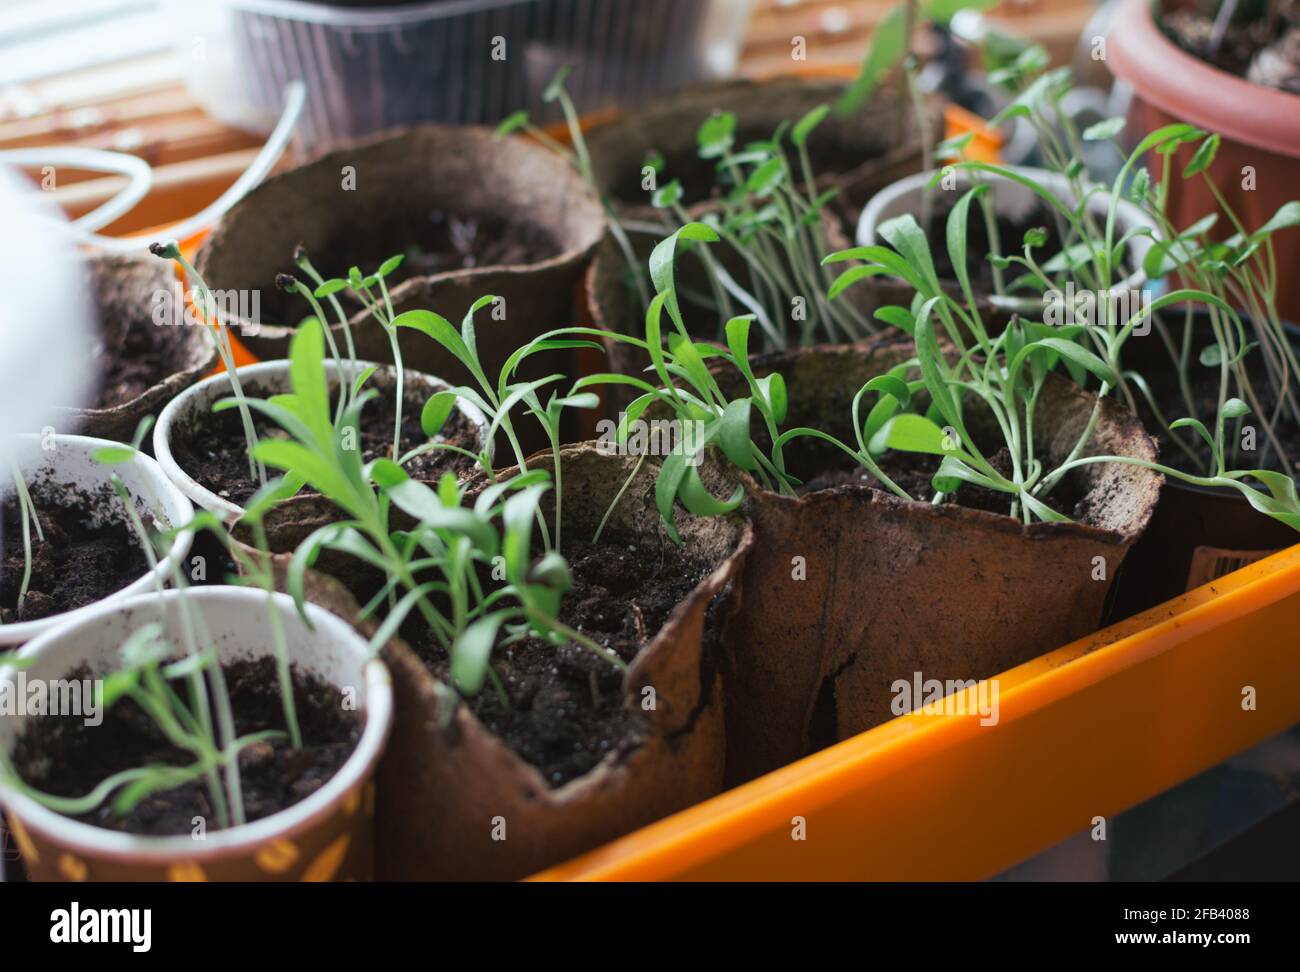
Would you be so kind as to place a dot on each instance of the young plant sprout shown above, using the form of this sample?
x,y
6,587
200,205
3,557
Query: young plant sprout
x,y
1255,360
372,291
206,305
769,212
31,523
1004,374
433,566
147,677
556,93
497,400
893,46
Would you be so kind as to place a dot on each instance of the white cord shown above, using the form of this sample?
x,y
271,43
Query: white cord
x,y
141,176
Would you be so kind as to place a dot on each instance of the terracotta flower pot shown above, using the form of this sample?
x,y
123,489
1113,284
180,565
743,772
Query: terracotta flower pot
x,y
65,466
183,414
858,153
1257,159
326,836
547,218
448,784
849,589
141,363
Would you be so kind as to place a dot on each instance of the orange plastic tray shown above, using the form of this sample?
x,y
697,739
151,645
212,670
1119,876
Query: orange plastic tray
x,y
1085,731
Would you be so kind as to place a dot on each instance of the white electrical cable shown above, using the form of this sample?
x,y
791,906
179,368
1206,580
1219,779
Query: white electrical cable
x,y
141,176
136,169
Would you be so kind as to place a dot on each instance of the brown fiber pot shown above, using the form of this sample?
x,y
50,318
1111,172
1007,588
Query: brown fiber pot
x,y
128,290
445,777
895,588
1260,128
857,153
464,171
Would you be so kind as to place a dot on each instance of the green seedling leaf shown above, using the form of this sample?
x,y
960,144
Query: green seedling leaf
x,y
330,287
733,434
555,87
391,264
667,196
1203,157
1103,130
895,316
472,650
1234,408
698,500
436,411
1198,426
1287,215
716,136
512,123
805,125
1211,355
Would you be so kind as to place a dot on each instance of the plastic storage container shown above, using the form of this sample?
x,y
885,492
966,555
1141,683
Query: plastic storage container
x,y
368,68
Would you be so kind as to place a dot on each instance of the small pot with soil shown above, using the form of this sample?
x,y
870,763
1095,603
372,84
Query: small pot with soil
x,y
857,154
206,454
472,214
1018,210
570,752
141,360
1198,533
86,552
306,808
850,588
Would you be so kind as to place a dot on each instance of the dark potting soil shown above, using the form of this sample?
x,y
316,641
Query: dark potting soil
x,y
914,472
433,241
64,757
566,707
1163,381
76,564
142,360
213,450
1264,49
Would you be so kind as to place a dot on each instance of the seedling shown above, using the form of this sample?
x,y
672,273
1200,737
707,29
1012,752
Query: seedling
x,y
432,567
769,212
30,523
372,291
216,330
497,399
556,93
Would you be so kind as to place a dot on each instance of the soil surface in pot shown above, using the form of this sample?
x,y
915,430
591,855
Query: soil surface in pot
x,y
566,707
914,472
1265,50
1204,381
144,359
64,757
76,564
433,241
212,449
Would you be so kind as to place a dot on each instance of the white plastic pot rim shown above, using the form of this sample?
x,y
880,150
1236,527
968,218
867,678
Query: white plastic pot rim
x,y
181,512
215,387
